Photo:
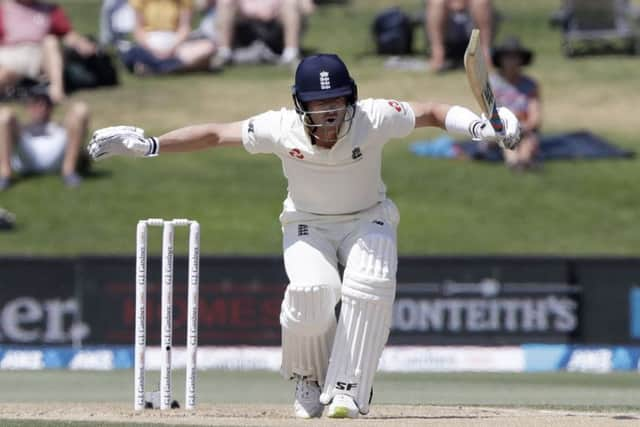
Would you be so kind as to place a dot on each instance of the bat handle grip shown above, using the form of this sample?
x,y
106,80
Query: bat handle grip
x,y
496,122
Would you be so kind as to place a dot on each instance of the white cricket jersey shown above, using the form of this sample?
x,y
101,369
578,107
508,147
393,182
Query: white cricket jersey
x,y
342,180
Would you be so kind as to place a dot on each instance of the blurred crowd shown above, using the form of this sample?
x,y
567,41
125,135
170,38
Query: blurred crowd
x,y
43,58
159,36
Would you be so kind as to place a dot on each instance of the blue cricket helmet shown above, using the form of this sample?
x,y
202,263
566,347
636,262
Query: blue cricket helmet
x,y
323,76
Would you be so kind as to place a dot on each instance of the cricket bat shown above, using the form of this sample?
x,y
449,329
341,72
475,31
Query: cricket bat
x,y
478,77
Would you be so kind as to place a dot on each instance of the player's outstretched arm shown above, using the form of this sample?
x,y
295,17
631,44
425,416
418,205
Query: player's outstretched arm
x,y
458,119
131,141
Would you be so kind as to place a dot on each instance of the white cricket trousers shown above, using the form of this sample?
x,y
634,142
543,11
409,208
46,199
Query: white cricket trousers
x,y
366,245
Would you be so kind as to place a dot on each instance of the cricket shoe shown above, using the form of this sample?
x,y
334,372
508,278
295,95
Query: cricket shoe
x,y
307,404
343,406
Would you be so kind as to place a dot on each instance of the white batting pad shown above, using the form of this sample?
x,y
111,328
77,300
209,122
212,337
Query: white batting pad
x,y
308,327
368,292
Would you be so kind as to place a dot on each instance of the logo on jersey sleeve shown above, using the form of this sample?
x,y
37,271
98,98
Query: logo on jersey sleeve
x,y
356,153
325,83
296,153
396,106
303,230
251,128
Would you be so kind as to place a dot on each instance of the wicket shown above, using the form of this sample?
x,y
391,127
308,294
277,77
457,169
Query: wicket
x,y
167,310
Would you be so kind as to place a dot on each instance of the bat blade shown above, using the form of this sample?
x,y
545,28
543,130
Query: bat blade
x,y
478,77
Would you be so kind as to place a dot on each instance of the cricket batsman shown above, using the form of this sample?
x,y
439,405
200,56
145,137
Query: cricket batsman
x,y
336,212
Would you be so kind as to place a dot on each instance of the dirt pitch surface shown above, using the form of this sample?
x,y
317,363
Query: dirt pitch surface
x,y
280,415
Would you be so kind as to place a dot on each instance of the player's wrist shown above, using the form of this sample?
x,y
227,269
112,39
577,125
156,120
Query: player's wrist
x,y
462,120
153,146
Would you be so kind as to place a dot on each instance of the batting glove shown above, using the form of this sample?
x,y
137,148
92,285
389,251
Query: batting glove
x,y
509,138
122,140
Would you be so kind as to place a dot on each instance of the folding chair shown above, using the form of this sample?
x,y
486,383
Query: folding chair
x,y
598,25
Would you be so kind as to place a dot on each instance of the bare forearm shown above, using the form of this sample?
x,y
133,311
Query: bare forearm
x,y
184,28
201,137
190,138
139,34
181,36
140,37
430,114
534,117
80,44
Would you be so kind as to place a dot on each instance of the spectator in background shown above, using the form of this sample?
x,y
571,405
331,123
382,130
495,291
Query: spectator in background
x,y
29,44
448,27
162,43
287,13
521,94
207,11
42,145
117,21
